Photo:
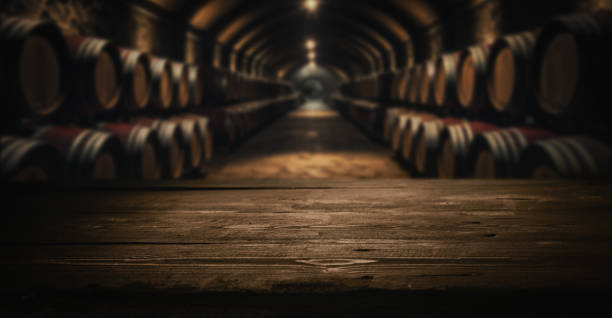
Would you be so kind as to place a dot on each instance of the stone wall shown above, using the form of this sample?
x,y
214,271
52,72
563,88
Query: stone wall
x,y
94,17
485,20
154,31
146,28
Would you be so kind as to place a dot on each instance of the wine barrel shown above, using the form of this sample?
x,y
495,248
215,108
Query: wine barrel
x,y
27,160
409,132
216,86
163,83
138,79
413,84
509,81
397,132
426,81
239,121
394,85
196,85
206,135
426,143
391,117
232,83
192,142
35,71
471,78
403,85
445,81
572,67
567,157
180,76
98,73
171,144
244,86
455,142
231,127
496,154
142,149
88,155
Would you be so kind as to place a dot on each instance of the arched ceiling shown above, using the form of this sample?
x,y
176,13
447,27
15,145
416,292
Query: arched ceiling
x,y
354,36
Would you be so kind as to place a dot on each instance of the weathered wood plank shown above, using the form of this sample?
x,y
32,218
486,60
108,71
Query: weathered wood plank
x,y
394,235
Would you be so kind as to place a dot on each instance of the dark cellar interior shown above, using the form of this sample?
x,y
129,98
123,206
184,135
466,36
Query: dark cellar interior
x,y
303,158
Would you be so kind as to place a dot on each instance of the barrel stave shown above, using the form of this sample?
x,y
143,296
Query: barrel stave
x,y
37,79
88,155
24,160
138,79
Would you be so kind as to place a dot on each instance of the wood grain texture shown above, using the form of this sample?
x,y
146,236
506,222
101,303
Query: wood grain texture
x,y
267,236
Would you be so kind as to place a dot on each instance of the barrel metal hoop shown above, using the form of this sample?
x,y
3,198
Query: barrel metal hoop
x,y
588,160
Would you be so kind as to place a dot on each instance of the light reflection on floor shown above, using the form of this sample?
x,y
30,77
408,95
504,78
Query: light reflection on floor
x,y
307,165
312,142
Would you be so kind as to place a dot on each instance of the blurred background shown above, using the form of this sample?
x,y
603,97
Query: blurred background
x,y
151,89
310,158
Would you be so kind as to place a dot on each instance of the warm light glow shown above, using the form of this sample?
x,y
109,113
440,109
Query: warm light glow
x,y
312,56
311,5
311,44
312,64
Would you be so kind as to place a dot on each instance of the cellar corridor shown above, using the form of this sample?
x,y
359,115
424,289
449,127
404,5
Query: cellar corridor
x,y
305,158
312,142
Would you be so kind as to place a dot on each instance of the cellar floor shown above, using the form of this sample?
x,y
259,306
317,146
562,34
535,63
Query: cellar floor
x,y
261,242
312,142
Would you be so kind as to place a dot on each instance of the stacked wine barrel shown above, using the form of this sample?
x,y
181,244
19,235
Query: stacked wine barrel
x,y
81,109
364,88
530,104
365,113
241,120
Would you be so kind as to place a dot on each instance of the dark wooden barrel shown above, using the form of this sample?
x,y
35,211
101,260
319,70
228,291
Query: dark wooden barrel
x,y
196,85
88,155
171,145
455,142
192,142
25,160
426,81
243,87
509,80
141,147
496,154
410,125
35,72
206,135
163,83
413,84
138,79
180,76
391,117
471,77
394,85
567,157
216,86
240,119
403,85
397,129
229,128
572,66
445,81
426,143
98,73
232,87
